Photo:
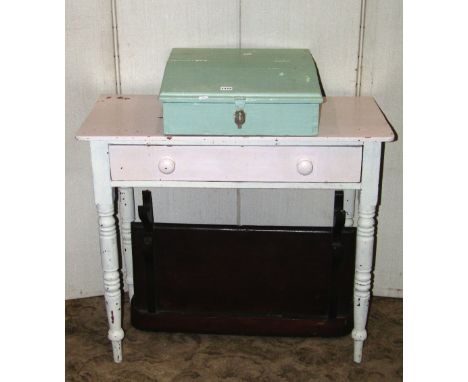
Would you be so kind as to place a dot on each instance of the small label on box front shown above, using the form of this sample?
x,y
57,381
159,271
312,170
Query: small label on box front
x,y
225,88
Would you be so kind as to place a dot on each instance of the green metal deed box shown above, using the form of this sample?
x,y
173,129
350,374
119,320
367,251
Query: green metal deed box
x,y
241,92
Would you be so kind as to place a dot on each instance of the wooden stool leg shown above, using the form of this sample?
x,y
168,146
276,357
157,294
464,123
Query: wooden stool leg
x,y
127,216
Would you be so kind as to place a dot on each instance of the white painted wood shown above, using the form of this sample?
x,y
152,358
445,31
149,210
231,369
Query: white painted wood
x,y
349,199
235,163
382,78
110,266
305,167
365,243
136,119
101,172
235,185
329,29
127,216
166,165
108,242
88,73
101,158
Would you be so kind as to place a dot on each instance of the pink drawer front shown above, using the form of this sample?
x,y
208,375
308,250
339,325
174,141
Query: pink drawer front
x,y
236,164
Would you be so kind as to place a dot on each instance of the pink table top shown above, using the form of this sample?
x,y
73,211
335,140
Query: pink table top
x,y
138,119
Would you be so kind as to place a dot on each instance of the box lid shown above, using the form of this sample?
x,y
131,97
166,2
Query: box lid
x,y
255,75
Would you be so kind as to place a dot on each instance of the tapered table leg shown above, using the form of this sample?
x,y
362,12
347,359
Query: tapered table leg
x,y
108,242
127,216
365,244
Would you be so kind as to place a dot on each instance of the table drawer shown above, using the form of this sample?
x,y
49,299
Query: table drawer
x,y
236,164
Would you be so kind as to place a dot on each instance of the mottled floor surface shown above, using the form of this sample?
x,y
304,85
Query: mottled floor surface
x,y
194,357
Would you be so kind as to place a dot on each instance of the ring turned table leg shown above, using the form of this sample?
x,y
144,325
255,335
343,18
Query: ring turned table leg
x,y
108,242
365,244
110,266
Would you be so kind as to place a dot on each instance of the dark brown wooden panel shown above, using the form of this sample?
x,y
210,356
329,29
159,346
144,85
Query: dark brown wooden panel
x,y
236,279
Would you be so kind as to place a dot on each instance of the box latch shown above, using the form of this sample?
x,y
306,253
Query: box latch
x,y
239,115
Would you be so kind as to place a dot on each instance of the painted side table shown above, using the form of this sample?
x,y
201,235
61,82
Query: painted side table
x,y
129,149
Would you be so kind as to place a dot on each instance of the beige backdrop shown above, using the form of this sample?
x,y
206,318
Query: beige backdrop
x,y
147,30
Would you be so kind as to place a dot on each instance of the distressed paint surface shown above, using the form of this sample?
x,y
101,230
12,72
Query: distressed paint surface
x,y
104,200
368,201
365,238
127,216
137,119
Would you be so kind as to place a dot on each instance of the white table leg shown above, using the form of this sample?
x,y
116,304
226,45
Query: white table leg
x,y
110,266
108,242
127,216
365,244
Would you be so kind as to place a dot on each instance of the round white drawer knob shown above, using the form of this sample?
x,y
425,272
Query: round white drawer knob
x,y
166,165
304,167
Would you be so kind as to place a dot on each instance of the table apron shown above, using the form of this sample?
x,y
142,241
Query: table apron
x,y
235,185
